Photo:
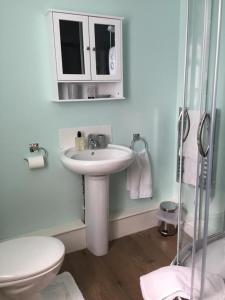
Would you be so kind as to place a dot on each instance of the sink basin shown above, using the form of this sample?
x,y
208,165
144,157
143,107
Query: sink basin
x,y
96,162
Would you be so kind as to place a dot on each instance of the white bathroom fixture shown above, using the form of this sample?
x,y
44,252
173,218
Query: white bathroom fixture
x,y
97,165
28,265
86,56
97,162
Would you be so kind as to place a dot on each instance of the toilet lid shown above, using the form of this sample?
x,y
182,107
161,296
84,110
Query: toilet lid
x,y
24,257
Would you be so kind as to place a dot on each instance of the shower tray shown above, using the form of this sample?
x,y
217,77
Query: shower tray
x,y
216,248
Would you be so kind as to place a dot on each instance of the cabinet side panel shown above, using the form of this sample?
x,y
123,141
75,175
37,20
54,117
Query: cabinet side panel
x,y
52,58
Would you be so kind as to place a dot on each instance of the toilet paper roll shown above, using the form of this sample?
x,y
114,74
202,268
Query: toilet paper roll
x,y
35,162
73,91
64,91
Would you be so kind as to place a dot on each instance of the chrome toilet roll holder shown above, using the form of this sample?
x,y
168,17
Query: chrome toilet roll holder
x,y
35,147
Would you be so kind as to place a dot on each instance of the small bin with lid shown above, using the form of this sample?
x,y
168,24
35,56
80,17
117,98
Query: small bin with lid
x,y
167,216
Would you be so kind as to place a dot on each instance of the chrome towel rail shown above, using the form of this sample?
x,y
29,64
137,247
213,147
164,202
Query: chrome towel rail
x,y
137,137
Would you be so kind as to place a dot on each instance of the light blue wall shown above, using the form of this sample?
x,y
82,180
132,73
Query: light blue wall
x,y
33,200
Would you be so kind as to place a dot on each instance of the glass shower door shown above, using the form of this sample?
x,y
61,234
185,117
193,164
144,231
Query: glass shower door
x,y
191,188
197,148
211,257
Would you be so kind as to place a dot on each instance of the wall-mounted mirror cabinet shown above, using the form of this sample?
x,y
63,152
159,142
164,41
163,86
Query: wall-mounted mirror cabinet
x,y
87,56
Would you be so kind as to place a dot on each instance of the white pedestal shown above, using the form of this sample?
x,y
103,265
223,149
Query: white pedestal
x,y
97,213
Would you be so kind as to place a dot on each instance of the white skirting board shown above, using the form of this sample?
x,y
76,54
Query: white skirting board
x,y
216,224
73,234
120,225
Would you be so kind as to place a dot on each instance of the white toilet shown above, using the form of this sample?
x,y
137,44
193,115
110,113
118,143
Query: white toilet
x,y
27,265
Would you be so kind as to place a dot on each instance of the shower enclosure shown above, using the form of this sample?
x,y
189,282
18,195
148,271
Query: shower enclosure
x,y
201,147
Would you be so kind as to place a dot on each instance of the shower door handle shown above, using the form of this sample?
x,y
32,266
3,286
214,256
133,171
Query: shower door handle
x,y
187,128
200,132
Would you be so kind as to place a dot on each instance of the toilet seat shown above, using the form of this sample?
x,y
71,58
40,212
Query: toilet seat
x,y
29,257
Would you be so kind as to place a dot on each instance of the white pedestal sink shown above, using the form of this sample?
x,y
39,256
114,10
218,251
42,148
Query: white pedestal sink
x,y
97,165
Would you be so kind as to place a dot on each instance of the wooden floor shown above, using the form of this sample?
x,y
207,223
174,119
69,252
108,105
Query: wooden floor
x,y
115,276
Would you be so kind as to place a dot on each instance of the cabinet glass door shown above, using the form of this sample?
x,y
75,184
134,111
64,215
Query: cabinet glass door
x,y
72,47
105,41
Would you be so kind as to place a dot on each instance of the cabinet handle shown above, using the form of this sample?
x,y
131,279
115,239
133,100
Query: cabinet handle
x,y
94,49
88,48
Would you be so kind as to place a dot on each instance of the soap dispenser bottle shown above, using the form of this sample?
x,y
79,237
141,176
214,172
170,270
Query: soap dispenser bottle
x,y
79,142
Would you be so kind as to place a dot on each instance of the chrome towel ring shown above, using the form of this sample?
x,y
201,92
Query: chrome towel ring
x,y
137,137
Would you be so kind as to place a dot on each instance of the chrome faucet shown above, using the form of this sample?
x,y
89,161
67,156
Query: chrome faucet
x,y
97,141
92,141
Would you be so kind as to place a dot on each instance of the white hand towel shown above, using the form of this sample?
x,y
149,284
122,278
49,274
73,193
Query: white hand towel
x,y
176,282
190,150
145,189
112,61
139,179
133,177
190,171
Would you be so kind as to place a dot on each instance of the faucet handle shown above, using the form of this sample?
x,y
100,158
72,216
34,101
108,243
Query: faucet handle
x,y
101,140
96,141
